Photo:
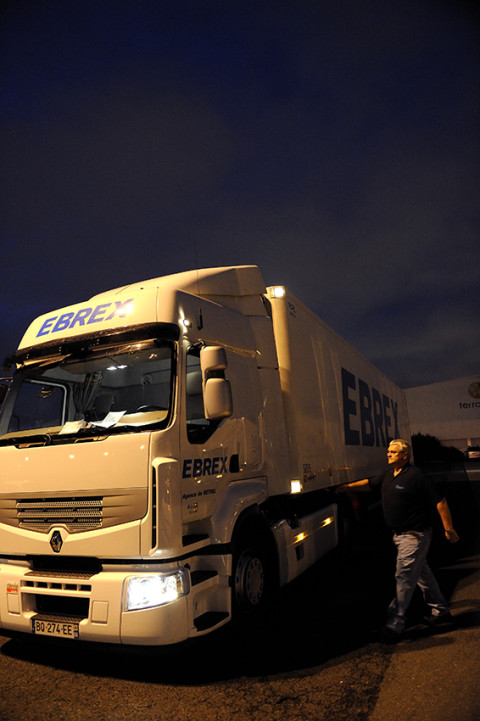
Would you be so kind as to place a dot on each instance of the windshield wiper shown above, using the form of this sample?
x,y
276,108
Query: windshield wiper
x,y
36,439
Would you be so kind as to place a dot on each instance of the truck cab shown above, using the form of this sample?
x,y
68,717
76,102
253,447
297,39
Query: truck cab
x,y
133,439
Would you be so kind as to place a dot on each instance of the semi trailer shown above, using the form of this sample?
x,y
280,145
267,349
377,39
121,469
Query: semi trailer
x,y
169,453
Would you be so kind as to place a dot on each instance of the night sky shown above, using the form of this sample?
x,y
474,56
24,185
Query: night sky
x,y
333,143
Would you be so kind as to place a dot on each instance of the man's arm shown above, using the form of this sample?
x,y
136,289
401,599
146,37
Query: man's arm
x,y
444,513
362,485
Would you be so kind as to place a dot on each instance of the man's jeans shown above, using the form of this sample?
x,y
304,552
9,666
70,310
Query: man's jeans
x,y
412,570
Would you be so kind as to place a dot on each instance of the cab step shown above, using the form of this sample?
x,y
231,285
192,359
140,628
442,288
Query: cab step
x,y
210,619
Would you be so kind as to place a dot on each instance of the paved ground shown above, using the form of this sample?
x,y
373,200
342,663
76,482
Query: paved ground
x,y
434,677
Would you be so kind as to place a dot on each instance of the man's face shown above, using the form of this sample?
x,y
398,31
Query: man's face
x,y
395,455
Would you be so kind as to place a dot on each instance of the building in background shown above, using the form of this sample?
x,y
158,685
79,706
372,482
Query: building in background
x,y
450,411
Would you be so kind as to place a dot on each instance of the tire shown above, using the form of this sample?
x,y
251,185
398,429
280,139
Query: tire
x,y
252,573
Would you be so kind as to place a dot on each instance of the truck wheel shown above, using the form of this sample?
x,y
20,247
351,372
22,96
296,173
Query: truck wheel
x,y
249,581
252,579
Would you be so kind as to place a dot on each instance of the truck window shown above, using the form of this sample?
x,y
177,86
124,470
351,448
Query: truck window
x,y
119,387
199,428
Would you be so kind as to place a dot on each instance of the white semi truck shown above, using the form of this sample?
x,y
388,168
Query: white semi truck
x,y
169,452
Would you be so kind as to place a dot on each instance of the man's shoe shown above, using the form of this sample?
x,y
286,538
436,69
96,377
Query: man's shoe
x,y
442,619
390,635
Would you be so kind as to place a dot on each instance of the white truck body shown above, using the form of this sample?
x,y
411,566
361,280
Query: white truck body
x,y
170,449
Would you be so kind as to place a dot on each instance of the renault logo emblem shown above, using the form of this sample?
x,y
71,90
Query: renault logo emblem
x,y
56,541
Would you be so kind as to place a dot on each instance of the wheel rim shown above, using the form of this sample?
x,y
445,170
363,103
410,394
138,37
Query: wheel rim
x,y
249,580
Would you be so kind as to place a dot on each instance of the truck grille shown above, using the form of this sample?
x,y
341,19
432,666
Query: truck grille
x,y
77,514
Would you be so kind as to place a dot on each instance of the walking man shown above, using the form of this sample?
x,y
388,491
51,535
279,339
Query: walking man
x,y
408,497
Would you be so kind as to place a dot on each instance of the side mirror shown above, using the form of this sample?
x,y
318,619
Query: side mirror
x,y
217,393
217,398
213,358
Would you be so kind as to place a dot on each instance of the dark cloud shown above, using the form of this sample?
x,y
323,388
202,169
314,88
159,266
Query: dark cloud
x,y
334,144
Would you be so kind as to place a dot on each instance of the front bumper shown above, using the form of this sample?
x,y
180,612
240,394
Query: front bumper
x,y
96,605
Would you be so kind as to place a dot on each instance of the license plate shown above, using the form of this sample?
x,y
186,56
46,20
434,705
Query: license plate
x,y
55,628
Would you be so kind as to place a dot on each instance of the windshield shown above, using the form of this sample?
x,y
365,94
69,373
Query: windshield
x,y
116,388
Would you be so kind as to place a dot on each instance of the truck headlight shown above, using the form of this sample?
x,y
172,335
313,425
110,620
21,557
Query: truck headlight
x,y
154,590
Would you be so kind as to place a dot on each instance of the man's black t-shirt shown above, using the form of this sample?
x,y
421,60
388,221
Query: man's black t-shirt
x,y
408,499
